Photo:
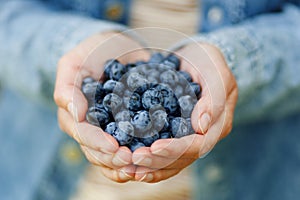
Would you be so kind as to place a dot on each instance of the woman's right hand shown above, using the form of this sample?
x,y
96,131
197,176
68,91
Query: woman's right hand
x,y
87,59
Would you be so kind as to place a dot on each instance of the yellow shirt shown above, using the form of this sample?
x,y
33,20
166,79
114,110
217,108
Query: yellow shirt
x,y
182,16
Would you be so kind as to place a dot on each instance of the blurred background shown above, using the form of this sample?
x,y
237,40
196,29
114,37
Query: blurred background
x,y
258,160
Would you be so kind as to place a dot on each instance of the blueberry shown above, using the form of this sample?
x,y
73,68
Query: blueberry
x,y
194,88
124,133
171,104
156,58
179,127
130,66
108,65
88,80
164,89
132,113
111,127
123,115
153,73
141,121
189,123
100,93
109,86
151,98
89,90
169,77
156,108
144,69
127,93
167,65
135,144
152,80
172,58
112,86
165,135
97,116
134,103
159,120
137,82
178,91
112,103
140,62
184,76
117,71
187,104
99,106
150,137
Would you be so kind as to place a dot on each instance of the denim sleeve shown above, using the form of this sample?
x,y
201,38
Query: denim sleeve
x,y
263,54
33,36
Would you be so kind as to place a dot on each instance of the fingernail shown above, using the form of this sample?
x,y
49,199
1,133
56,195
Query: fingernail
x,y
147,178
204,122
73,111
124,176
119,161
144,162
142,178
161,152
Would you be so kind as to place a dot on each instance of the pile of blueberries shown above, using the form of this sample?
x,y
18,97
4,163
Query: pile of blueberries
x,y
139,103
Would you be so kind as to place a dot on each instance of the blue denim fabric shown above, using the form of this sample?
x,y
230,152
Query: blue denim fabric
x,y
265,75
234,11
262,54
96,8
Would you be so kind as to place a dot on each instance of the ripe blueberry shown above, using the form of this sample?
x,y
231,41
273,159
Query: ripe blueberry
x,y
141,121
135,144
111,127
151,98
186,104
159,120
97,116
179,127
124,133
112,103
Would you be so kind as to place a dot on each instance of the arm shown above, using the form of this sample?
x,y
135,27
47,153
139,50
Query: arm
x,y
262,54
33,38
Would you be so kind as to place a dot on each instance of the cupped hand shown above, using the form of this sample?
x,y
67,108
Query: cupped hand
x,y
211,118
87,60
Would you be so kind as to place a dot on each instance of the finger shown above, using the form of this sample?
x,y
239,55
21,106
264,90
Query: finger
x,y
72,100
215,79
119,175
98,158
122,157
67,93
122,175
87,134
229,113
214,133
144,157
144,174
177,147
158,162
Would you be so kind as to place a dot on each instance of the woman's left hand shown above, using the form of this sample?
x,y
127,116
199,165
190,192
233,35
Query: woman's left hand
x,y
211,118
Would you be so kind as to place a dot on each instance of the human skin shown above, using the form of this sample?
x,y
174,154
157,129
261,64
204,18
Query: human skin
x,y
211,118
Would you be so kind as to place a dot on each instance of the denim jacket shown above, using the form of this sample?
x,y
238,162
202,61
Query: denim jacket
x,y
259,39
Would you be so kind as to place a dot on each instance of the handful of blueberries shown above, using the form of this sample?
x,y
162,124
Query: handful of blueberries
x,y
139,103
